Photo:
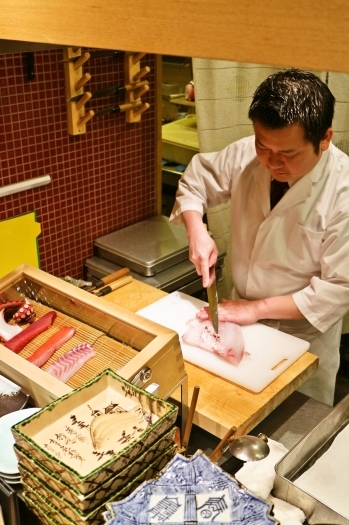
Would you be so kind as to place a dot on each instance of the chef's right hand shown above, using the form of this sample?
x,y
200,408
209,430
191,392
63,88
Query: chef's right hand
x,y
203,251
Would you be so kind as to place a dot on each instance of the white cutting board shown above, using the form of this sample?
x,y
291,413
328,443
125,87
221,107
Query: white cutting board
x,y
268,352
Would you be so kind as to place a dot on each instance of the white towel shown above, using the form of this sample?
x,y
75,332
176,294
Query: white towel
x,y
286,513
259,477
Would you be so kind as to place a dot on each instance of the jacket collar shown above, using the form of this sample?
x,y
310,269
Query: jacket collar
x,y
298,192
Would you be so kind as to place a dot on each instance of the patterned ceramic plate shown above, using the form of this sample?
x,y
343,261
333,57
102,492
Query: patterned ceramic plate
x,y
190,490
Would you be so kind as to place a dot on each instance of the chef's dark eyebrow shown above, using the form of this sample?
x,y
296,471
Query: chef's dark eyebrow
x,y
282,151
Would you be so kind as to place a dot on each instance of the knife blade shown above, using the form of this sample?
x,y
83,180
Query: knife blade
x,y
213,303
111,90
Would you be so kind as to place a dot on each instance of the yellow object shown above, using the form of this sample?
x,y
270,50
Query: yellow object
x,y
180,140
18,241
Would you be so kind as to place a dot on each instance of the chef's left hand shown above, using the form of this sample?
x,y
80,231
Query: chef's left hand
x,y
239,311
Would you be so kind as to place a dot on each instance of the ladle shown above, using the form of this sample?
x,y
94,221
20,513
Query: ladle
x,y
249,448
245,448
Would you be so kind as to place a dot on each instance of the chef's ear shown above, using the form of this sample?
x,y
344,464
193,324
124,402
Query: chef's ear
x,y
325,142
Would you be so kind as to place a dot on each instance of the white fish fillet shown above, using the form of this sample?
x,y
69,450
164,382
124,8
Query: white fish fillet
x,y
67,365
228,343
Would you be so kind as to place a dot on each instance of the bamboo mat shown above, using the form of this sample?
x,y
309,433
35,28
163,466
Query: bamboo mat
x,y
109,352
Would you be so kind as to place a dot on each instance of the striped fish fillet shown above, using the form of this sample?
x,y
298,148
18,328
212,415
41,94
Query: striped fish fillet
x,y
67,365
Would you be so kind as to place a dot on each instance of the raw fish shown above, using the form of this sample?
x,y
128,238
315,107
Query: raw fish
x,y
67,365
228,343
18,342
46,350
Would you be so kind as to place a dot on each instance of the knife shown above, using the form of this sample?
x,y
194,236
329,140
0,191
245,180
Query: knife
x,y
99,283
118,109
213,301
113,286
111,90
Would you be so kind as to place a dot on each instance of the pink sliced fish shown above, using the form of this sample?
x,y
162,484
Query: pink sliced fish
x,y
228,343
67,365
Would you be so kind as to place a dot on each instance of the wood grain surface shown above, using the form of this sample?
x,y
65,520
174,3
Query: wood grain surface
x,y
222,404
290,33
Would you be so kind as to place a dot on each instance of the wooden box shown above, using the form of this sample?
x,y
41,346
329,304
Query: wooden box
x,y
123,341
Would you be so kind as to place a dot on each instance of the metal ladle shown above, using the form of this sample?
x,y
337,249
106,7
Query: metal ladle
x,y
250,448
245,448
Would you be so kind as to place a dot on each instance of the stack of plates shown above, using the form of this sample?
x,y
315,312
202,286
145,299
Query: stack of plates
x,y
93,445
12,397
8,461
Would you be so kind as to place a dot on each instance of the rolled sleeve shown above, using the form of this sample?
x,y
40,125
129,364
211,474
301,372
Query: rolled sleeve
x,y
323,303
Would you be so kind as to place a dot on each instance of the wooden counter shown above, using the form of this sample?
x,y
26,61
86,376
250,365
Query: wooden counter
x,y
222,404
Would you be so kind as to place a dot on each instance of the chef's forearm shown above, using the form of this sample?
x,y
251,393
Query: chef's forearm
x,y
280,307
193,223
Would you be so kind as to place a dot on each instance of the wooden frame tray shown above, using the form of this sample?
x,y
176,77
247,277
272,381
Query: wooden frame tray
x,y
123,340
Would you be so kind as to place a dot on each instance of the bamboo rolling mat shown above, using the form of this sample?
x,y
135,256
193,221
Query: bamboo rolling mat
x,y
109,352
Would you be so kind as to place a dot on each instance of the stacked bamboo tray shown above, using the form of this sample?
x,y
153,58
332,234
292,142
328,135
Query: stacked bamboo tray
x,y
92,446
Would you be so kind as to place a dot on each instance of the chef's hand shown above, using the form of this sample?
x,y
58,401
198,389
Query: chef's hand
x,y
203,251
238,311
241,311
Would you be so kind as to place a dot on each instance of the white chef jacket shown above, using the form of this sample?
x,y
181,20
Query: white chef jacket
x,y
300,248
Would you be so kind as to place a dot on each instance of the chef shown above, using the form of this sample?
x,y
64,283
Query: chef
x,y
290,254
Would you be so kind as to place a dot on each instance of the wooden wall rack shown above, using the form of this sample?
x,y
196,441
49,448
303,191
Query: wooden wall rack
x,y
134,74
75,81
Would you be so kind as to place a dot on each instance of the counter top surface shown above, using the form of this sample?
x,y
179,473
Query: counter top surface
x,y
222,404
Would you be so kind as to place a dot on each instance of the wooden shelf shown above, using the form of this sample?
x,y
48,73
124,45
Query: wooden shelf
x,y
182,102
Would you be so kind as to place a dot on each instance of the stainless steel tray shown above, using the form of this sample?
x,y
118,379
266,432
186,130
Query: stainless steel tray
x,y
301,457
179,275
147,247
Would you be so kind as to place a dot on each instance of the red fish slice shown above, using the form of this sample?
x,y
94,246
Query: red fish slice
x,y
18,342
46,350
228,343
67,365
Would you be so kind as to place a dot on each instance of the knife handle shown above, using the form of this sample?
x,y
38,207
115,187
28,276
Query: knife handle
x,y
114,286
115,276
125,107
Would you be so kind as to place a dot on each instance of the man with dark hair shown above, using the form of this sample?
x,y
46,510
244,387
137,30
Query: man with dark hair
x,y
290,254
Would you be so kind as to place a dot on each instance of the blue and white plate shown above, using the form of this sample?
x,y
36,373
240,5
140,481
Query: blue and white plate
x,y
190,490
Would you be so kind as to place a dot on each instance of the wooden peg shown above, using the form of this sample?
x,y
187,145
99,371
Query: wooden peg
x,y
85,98
139,92
137,57
80,61
83,120
82,81
141,73
142,109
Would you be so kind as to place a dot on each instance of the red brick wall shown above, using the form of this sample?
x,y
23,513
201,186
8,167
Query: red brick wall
x,y
102,181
